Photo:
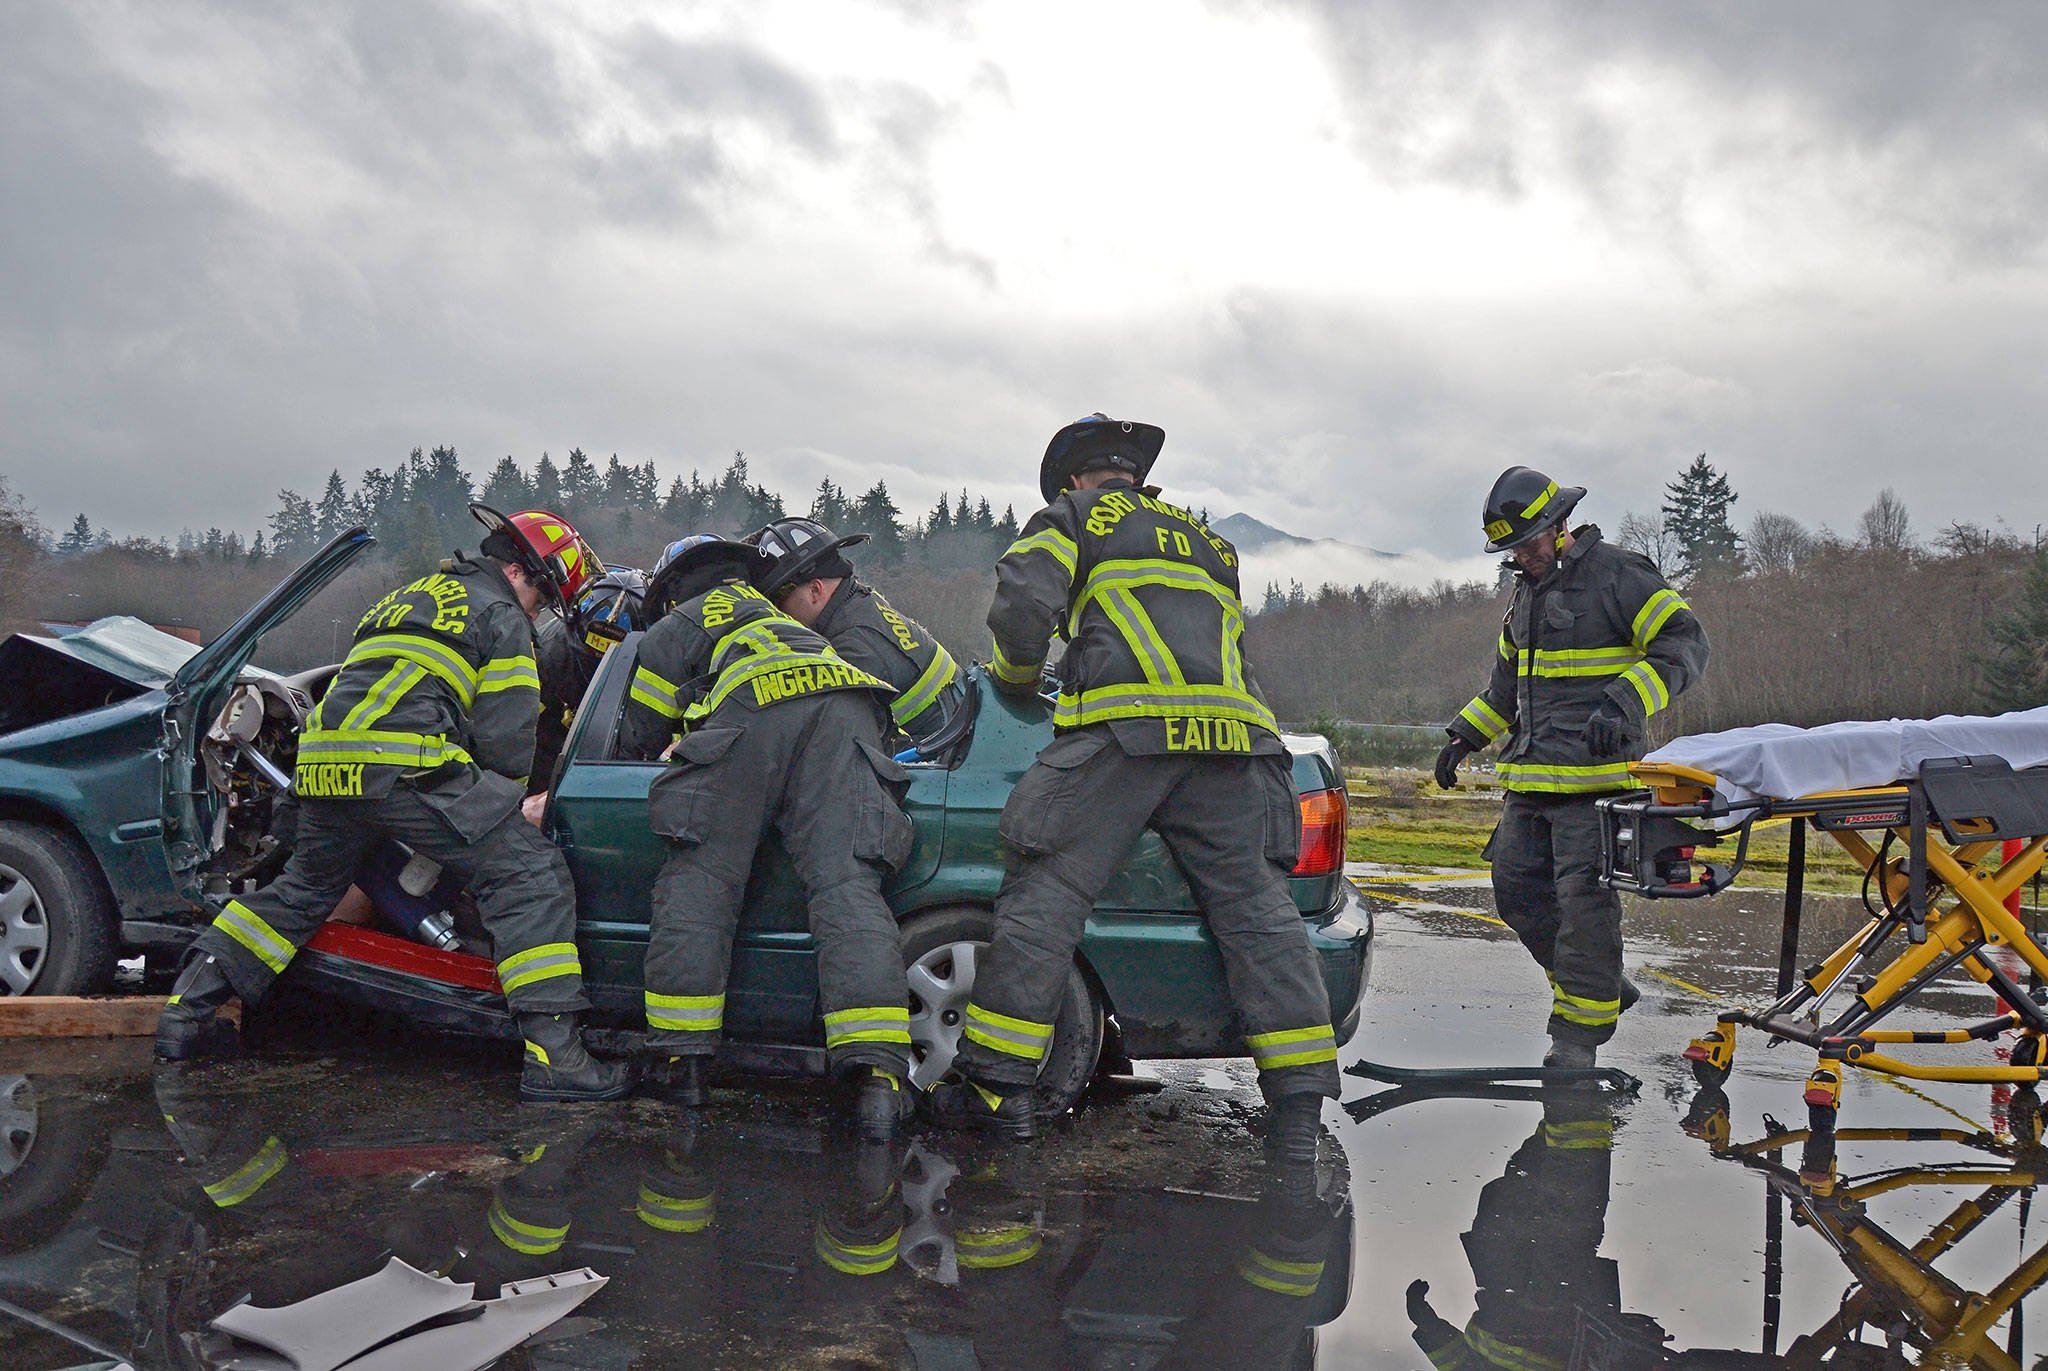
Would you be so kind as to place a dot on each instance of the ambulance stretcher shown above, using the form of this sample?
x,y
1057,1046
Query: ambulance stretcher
x,y
1929,846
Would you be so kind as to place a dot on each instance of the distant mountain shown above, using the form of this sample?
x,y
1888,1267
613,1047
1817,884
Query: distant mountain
x,y
1275,556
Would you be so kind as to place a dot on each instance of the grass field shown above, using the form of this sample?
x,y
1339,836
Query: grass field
x,y
1400,818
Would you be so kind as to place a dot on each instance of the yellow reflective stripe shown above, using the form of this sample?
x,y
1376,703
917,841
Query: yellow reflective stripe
x,y
436,657
1046,540
1651,618
1583,1135
674,1214
998,1248
657,694
250,1177
1507,1354
1001,1033
533,1240
1016,673
1282,1278
1293,1047
1551,778
873,1024
758,636
1584,661
242,924
925,689
857,1259
381,698
1579,1009
1507,649
508,673
1483,717
1530,510
1142,635
1145,701
541,963
686,1013
384,748
1649,687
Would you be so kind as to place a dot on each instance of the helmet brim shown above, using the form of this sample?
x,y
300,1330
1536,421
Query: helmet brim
x,y
801,565
1561,506
1086,439
525,554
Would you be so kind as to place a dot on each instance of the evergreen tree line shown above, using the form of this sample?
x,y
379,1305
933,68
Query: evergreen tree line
x,y
1807,626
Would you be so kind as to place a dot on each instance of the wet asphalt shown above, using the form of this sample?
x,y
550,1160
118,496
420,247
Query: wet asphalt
x,y
136,1203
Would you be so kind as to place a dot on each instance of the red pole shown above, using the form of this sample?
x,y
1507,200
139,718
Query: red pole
x,y
2011,850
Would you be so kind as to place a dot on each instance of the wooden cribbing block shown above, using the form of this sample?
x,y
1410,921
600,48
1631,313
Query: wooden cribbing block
x,y
75,1016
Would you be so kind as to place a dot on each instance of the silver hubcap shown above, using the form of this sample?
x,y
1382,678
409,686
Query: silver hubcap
x,y
24,932
17,1122
940,982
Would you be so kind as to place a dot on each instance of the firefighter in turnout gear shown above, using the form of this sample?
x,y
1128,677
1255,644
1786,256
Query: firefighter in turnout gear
x,y
426,737
569,647
812,582
776,729
1158,724
1593,644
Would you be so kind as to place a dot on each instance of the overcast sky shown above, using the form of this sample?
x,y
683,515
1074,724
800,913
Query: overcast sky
x,y
1355,258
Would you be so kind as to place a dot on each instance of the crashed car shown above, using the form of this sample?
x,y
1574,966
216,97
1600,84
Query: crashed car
x,y
140,782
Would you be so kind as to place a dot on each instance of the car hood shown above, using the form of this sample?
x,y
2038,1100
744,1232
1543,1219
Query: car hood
x,y
123,647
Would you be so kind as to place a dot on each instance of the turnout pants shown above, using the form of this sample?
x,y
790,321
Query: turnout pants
x,y
1235,825
812,767
1546,865
520,880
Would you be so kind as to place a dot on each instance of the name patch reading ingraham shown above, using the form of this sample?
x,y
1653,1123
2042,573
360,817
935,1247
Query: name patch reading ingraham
x,y
802,680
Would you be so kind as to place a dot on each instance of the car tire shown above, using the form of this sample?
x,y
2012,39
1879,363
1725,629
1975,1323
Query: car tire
x,y
49,1157
938,998
57,934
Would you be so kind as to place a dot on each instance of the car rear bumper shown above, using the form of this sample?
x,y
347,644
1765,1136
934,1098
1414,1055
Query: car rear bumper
x,y
1164,977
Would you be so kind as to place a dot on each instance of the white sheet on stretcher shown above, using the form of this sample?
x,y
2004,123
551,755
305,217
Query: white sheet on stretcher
x,y
1784,762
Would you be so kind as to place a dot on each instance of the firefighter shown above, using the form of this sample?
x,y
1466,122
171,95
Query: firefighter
x,y
1158,724
1534,1248
812,582
1594,643
569,647
426,737
781,732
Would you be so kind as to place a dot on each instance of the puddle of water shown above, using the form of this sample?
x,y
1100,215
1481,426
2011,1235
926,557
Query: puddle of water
x,y
136,1203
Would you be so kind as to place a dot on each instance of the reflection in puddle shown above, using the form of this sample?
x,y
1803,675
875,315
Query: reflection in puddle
x,y
132,1212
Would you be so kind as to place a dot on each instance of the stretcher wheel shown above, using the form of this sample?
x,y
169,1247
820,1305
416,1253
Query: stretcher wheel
x,y
2027,1051
1710,1076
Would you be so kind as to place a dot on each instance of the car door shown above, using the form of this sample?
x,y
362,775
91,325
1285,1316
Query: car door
x,y
597,812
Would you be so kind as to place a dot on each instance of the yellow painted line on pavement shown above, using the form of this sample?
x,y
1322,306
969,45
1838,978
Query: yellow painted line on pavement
x,y
1432,904
1682,985
1926,1098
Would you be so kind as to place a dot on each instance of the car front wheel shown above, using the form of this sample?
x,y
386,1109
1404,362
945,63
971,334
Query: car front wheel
x,y
56,921
941,949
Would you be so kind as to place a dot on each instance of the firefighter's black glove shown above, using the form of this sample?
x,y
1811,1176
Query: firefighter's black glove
x,y
1455,751
1610,731
1432,1331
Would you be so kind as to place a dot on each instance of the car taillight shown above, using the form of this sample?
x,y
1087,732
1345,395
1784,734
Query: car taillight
x,y
1325,815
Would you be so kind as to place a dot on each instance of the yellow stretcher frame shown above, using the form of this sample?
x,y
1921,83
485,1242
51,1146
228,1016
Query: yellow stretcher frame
x,y
1948,906
1953,1324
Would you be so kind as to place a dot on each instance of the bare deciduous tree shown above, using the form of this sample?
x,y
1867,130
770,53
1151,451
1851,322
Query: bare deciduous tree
x,y
1777,542
1646,533
1885,526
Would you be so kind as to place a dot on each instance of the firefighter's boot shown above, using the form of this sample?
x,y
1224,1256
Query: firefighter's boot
x,y
1294,1124
882,1104
678,1080
961,1103
189,1027
559,1068
1569,1055
1630,993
